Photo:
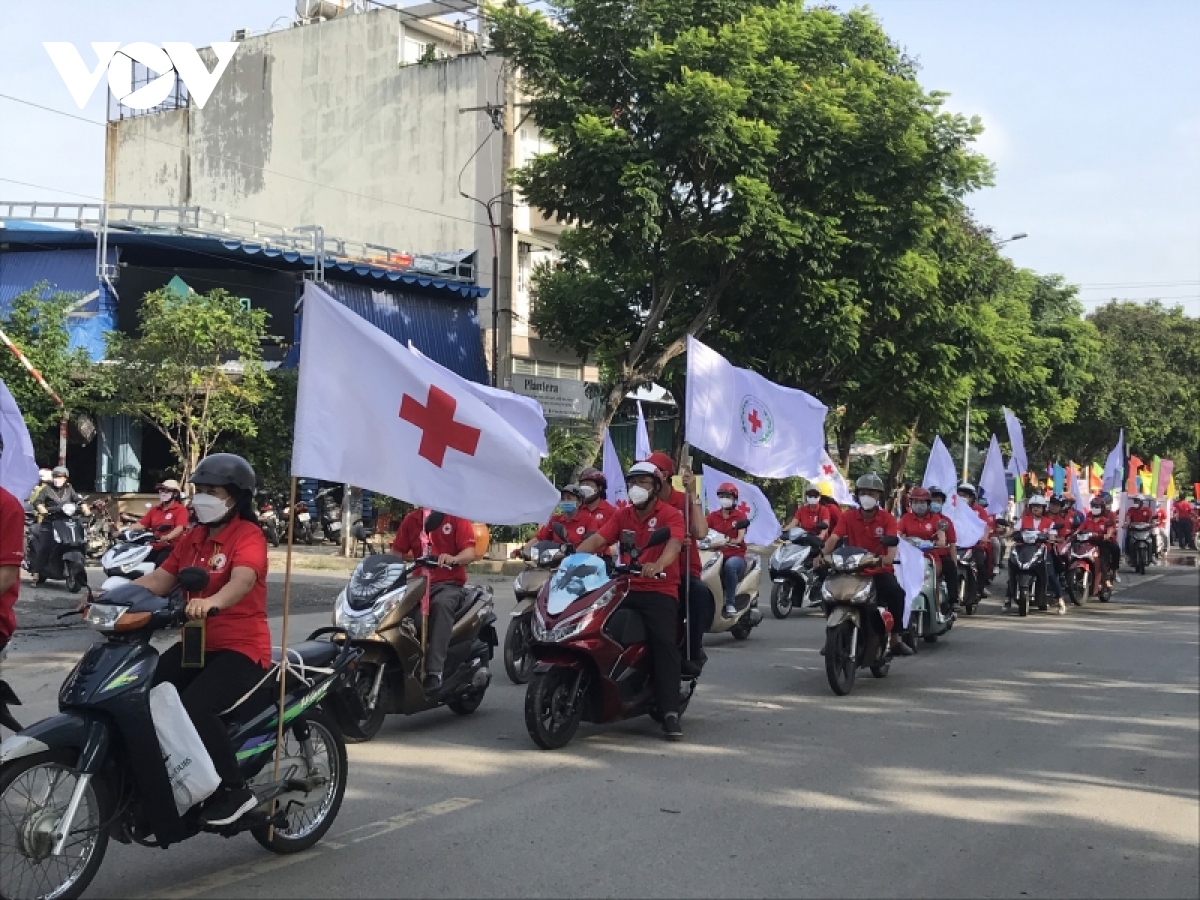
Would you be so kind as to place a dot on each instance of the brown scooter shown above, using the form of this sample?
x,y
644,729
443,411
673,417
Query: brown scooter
x,y
380,611
748,614
541,559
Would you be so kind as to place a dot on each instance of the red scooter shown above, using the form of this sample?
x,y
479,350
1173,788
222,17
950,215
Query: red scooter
x,y
593,662
1083,569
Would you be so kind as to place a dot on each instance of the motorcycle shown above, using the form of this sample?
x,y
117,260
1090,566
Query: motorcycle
x,y
268,521
748,615
970,581
1141,548
1027,567
96,771
1083,570
131,557
794,580
101,529
330,512
66,559
927,620
379,611
593,660
302,530
857,630
541,559
8,697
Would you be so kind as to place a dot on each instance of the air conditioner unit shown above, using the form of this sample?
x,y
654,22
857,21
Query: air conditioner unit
x,y
241,34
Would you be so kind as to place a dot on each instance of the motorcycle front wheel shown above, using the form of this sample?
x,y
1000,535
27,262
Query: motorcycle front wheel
x,y
840,666
518,661
552,713
34,793
306,825
1022,602
76,580
364,729
781,600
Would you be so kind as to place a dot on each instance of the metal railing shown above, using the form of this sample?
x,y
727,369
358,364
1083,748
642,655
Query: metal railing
x,y
198,221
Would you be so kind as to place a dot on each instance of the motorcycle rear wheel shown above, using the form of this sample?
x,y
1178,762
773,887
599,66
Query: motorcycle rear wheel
x,y
840,668
552,716
781,600
1022,603
18,785
76,581
518,661
307,826
466,704
740,632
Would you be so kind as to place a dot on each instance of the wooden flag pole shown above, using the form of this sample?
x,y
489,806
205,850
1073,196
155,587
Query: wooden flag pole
x,y
283,658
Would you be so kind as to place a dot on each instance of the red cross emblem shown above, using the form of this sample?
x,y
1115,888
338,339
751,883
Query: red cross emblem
x,y
439,431
754,420
827,469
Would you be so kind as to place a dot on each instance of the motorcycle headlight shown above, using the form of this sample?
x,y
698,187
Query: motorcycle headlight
x,y
861,595
539,628
367,623
103,616
825,594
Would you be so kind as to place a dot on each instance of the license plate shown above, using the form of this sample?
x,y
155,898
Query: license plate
x,y
304,517
335,526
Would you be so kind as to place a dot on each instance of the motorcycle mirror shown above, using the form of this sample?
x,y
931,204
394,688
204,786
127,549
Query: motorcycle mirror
x,y
889,540
193,579
659,536
434,521
627,540
942,526
559,531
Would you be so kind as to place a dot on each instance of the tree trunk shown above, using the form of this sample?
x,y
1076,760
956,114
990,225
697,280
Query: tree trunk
x,y
899,458
845,439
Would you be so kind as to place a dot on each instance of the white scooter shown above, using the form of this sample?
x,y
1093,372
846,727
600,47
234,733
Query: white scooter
x,y
131,557
748,614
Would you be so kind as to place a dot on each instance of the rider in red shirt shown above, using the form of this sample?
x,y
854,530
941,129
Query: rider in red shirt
x,y
925,524
1036,518
733,565
594,487
1099,524
12,552
811,515
571,514
982,551
864,527
167,520
655,599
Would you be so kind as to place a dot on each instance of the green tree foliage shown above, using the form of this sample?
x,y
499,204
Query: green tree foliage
x,y
699,146
36,323
269,446
194,372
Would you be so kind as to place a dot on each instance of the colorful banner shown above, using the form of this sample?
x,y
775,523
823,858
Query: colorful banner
x,y
1095,479
1059,475
1164,486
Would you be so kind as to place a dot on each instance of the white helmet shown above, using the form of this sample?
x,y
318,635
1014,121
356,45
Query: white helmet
x,y
44,476
967,488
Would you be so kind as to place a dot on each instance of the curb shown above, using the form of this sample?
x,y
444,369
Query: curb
x,y
308,562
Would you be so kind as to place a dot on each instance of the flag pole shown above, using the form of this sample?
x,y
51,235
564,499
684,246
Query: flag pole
x,y
687,558
283,658
966,439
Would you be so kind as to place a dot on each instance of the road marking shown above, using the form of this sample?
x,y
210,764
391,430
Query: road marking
x,y
223,879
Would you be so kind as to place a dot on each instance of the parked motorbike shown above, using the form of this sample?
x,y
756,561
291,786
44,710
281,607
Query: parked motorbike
x,y
96,771
66,559
131,557
1028,564
101,529
857,631
794,579
970,580
1141,545
1083,570
268,519
379,611
541,559
927,620
593,662
748,615
302,530
331,515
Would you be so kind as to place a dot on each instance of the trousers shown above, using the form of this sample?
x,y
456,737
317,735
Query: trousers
x,y
445,600
661,615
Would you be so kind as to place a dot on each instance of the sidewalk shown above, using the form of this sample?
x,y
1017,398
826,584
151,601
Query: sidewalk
x,y
329,559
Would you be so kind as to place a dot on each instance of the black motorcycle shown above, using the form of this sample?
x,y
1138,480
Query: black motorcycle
x,y
795,581
330,512
65,561
970,581
96,770
1028,572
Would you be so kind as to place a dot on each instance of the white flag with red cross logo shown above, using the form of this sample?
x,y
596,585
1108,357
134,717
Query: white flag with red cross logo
x,y
749,422
752,504
614,474
372,413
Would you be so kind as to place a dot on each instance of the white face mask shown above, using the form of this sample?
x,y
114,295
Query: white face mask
x,y
812,501
638,495
867,502
59,481
726,502
920,508
165,497
209,509
588,492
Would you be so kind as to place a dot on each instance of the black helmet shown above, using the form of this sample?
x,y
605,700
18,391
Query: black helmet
x,y
221,469
573,490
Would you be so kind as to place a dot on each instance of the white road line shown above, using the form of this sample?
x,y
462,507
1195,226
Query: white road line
x,y
219,880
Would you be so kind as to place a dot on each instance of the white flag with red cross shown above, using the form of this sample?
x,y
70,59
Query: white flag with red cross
x,y
372,413
613,473
758,426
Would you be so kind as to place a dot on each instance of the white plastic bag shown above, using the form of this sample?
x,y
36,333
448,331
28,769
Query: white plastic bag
x,y
190,768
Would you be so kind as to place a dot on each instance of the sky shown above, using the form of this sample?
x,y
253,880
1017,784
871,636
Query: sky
x,y
1091,109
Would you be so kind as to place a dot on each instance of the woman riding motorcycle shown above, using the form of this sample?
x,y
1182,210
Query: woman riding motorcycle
x,y
733,565
169,514
230,545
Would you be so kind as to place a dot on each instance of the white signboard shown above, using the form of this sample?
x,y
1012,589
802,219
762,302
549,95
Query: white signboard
x,y
561,398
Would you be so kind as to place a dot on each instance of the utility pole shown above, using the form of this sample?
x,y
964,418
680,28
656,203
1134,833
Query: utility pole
x,y
966,439
505,283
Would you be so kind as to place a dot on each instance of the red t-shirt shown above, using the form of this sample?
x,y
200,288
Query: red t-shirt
x,y
989,522
576,527
1140,514
835,513
717,521
861,532
926,528
240,544
173,515
454,536
679,501
601,512
661,515
1046,523
12,551
1096,524
1181,510
809,517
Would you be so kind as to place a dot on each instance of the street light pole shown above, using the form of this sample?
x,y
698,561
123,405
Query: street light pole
x,y
1016,237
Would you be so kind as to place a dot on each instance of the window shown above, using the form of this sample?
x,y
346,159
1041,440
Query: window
x,y
523,266
546,369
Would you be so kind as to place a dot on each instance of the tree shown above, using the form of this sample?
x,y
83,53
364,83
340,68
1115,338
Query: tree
x,y
699,146
36,323
269,447
194,372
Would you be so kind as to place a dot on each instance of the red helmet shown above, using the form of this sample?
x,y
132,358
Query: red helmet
x,y
662,462
919,493
728,488
597,478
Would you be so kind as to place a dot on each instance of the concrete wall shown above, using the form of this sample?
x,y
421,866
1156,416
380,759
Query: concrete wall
x,y
321,125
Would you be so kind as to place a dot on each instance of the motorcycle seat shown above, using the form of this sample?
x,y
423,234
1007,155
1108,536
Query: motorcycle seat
x,y
626,627
314,654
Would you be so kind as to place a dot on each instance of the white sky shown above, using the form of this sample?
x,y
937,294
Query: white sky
x,y
1092,109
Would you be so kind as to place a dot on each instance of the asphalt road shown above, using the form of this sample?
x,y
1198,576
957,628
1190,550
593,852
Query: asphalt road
x,y
1046,757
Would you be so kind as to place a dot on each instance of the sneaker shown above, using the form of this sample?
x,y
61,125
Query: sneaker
x,y
671,727
1062,606
985,593
691,668
730,612
228,805
901,649
1117,577
431,683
